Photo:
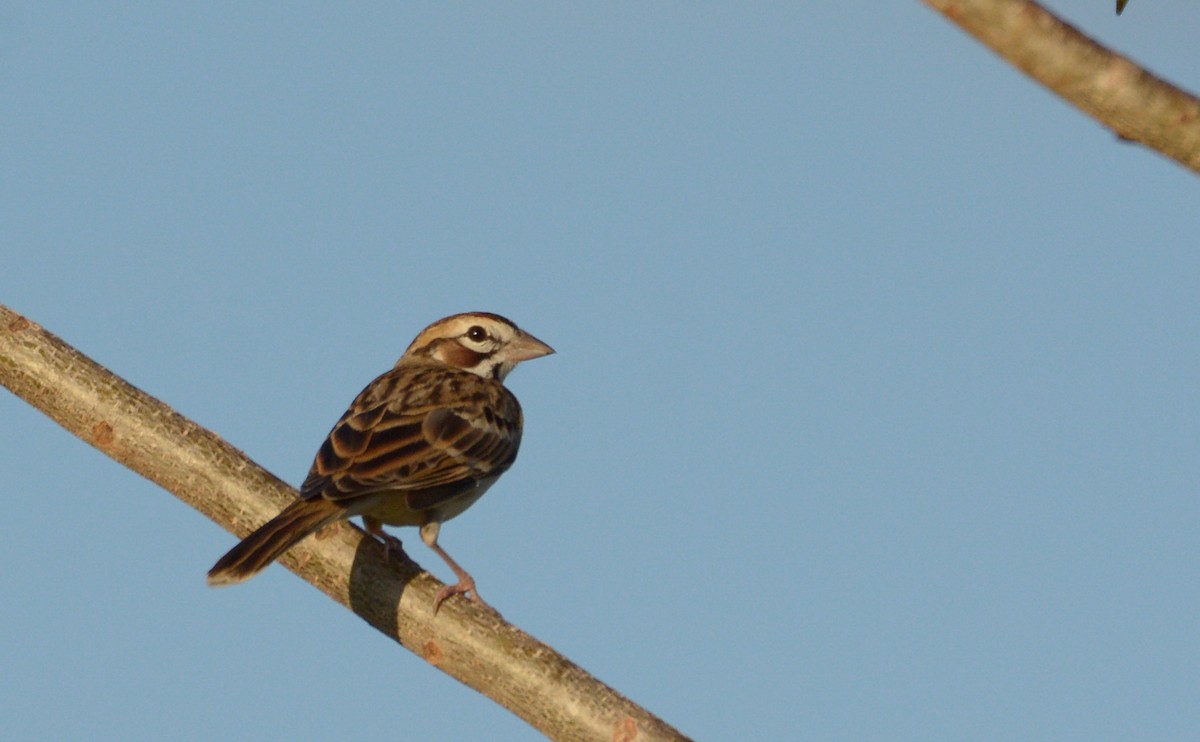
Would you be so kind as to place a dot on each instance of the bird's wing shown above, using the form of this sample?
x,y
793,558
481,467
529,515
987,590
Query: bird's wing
x,y
412,442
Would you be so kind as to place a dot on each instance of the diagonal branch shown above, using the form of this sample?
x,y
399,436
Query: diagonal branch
x,y
478,648
1107,86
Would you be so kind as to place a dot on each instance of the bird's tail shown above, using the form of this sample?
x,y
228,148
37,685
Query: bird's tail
x,y
273,538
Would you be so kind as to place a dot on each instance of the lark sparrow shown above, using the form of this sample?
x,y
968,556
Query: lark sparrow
x,y
418,446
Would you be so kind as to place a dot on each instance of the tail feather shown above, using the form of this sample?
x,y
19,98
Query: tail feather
x,y
274,537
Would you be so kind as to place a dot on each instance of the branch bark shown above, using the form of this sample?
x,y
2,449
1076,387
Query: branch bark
x,y
1107,86
472,645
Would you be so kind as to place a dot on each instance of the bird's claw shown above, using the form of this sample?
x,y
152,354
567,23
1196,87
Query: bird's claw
x,y
462,587
392,545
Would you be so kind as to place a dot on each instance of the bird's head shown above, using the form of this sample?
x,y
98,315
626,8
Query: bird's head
x,y
480,342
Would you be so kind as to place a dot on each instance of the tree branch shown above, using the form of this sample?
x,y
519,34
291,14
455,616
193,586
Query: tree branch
x,y
1107,86
474,646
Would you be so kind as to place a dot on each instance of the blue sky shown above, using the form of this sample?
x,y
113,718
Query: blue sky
x,y
874,413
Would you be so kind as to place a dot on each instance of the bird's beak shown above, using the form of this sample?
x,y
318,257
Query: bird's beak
x,y
527,347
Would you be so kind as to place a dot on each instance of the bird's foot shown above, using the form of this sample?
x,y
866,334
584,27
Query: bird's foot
x,y
391,544
465,586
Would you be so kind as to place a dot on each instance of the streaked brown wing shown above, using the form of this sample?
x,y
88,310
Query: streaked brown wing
x,y
407,442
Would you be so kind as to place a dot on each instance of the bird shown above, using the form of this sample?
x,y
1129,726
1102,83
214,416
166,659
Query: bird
x,y
418,446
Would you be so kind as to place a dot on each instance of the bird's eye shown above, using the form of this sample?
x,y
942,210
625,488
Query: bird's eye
x,y
476,333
